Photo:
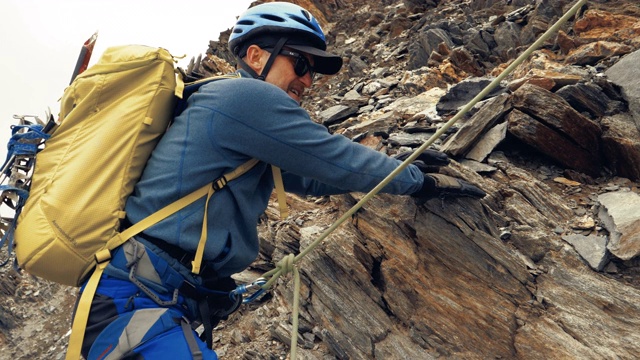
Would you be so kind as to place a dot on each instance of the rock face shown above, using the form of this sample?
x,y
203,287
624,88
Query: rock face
x,y
545,267
620,212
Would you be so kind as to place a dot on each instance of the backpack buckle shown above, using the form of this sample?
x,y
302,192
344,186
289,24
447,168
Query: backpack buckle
x,y
103,255
219,183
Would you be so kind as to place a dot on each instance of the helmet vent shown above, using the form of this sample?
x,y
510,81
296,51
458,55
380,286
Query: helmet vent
x,y
304,22
272,18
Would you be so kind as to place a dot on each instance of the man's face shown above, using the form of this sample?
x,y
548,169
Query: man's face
x,y
291,72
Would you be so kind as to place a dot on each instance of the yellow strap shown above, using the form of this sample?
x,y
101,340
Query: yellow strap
x,y
82,313
218,77
177,205
196,264
241,169
154,218
282,197
179,85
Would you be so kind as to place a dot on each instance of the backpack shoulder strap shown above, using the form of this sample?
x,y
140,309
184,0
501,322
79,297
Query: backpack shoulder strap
x,y
196,264
181,203
281,195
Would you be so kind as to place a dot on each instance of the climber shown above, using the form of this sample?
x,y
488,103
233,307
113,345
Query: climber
x,y
148,291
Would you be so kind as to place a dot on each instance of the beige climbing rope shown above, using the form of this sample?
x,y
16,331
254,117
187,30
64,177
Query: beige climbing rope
x,y
288,263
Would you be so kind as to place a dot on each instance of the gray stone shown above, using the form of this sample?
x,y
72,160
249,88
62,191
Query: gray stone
x,y
353,98
488,142
478,166
620,215
478,43
621,145
378,124
372,87
411,140
432,38
492,113
592,248
507,38
463,92
337,113
626,74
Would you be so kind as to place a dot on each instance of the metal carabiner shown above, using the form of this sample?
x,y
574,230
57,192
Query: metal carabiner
x,y
249,292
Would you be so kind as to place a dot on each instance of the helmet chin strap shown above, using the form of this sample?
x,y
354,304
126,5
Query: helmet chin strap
x,y
267,66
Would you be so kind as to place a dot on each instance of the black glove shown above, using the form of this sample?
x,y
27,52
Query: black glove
x,y
428,161
438,185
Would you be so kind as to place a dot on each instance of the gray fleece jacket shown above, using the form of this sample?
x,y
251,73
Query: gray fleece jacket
x,y
226,123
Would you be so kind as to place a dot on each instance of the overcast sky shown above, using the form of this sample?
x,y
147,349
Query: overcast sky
x,y
40,41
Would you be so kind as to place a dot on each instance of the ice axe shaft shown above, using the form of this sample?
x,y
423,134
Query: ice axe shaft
x,y
84,56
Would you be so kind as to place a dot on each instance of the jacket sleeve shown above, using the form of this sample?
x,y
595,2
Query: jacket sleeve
x,y
306,186
262,121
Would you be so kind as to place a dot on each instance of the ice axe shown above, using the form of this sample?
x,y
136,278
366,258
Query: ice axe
x,y
84,56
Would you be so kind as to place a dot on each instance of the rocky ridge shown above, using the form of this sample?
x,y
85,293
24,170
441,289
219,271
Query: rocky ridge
x,y
545,267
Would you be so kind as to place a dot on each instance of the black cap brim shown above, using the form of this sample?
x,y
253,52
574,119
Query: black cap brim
x,y
324,62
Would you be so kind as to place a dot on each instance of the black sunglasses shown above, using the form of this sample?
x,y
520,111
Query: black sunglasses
x,y
302,65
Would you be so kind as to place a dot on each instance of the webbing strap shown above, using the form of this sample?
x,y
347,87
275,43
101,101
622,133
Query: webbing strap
x,y
282,197
179,85
178,205
197,259
196,354
196,264
82,313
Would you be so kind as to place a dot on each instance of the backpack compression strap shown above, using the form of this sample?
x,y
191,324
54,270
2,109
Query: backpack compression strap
x,y
196,264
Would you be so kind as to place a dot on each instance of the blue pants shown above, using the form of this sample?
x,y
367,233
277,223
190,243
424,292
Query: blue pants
x,y
126,320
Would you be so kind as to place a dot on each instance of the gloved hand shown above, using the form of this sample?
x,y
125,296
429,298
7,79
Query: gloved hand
x,y
438,185
428,161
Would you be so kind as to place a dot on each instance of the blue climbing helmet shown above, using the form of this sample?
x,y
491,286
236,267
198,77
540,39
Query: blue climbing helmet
x,y
276,24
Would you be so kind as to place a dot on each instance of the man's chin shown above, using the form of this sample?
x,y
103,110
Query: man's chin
x,y
294,97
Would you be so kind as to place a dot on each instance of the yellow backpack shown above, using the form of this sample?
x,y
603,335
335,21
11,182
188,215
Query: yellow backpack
x,y
68,215
111,117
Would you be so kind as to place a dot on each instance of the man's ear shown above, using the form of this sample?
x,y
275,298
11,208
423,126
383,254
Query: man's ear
x,y
254,58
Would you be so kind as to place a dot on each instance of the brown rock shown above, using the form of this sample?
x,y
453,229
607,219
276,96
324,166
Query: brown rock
x,y
545,78
464,60
602,25
567,289
551,142
591,53
621,145
565,42
540,81
556,113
